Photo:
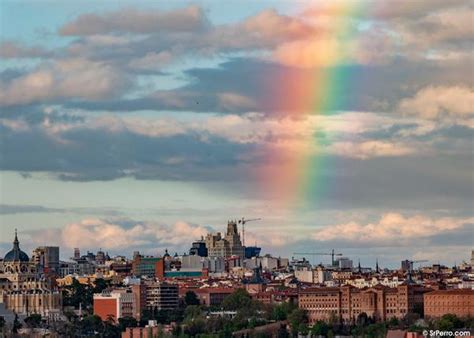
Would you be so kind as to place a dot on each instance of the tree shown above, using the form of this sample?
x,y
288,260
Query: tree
x,y
192,311
33,320
125,322
393,322
239,299
297,317
281,311
320,328
303,329
194,327
449,322
190,298
2,322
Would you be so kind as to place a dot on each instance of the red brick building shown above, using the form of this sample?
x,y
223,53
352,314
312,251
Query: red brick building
x,y
458,301
347,303
212,296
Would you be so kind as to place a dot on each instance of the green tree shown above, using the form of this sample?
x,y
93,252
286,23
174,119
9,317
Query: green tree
x,y
449,322
125,322
320,328
194,327
239,299
376,330
303,329
295,318
190,298
393,323
281,311
33,321
2,322
192,311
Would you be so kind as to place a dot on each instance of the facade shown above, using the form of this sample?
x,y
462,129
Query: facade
x,y
47,258
347,303
115,304
198,248
212,296
23,291
161,296
227,246
80,268
458,301
150,267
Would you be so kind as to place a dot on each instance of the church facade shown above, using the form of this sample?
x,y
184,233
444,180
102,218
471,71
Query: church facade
x,y
23,290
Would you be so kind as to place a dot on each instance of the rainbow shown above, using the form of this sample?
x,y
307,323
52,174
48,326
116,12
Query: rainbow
x,y
290,174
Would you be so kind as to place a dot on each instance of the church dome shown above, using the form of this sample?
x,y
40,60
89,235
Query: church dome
x,y
16,254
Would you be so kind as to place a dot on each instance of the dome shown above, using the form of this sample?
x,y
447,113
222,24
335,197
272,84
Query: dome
x,y
16,254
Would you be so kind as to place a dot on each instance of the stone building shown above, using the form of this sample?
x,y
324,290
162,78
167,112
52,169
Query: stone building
x,y
227,246
23,290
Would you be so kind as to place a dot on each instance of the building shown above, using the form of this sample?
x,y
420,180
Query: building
x,y
347,303
161,296
147,266
198,248
252,251
344,263
212,296
80,267
115,304
457,301
227,246
47,259
23,290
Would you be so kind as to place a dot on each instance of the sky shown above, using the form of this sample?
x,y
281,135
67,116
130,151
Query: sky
x,y
139,125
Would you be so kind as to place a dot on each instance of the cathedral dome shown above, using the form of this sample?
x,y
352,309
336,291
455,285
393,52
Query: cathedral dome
x,y
16,254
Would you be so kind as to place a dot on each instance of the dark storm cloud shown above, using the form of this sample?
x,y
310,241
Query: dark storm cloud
x,y
95,154
268,86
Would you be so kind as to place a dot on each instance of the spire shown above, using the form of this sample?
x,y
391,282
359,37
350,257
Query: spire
x,y
358,267
16,242
377,270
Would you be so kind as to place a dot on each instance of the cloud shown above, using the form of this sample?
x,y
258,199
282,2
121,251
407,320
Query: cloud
x,y
151,61
372,148
64,79
14,50
391,227
118,235
131,20
440,102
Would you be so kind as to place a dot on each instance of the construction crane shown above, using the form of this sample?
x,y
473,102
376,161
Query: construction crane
x,y
243,221
332,254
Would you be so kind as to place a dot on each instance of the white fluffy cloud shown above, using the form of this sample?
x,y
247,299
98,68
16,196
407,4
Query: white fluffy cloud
x,y
64,79
440,102
372,148
391,227
110,235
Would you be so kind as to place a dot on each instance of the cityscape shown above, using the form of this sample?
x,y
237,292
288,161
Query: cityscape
x,y
236,168
222,288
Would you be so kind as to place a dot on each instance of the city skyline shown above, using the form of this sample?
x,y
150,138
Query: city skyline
x,y
143,126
